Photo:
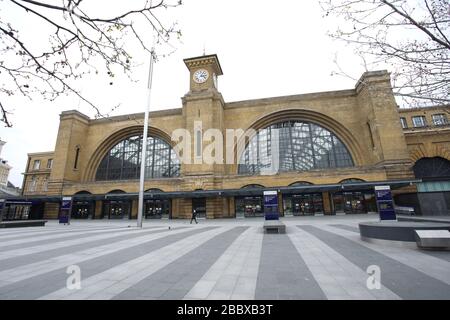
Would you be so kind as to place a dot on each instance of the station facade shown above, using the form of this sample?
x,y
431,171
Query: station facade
x,y
331,149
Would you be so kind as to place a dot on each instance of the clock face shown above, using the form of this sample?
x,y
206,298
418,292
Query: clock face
x,y
201,75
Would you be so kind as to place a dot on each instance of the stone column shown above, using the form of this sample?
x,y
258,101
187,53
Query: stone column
x,y
134,208
51,210
98,209
326,203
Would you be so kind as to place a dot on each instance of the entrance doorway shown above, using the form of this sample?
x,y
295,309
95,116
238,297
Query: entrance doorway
x,y
354,202
249,207
116,209
199,205
303,204
157,209
82,209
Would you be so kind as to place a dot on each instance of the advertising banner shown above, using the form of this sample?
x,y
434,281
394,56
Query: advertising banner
x,y
66,208
271,205
385,204
66,203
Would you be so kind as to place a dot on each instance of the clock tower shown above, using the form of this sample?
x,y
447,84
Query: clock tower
x,y
203,115
204,71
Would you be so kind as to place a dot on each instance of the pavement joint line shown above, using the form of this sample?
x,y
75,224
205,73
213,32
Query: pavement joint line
x,y
234,256
31,234
402,279
431,266
148,265
346,278
235,267
41,267
59,237
61,244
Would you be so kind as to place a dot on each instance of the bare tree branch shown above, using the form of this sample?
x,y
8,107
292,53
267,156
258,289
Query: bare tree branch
x,y
81,43
409,37
5,116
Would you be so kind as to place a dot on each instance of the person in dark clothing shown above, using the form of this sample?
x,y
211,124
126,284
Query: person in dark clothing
x,y
194,216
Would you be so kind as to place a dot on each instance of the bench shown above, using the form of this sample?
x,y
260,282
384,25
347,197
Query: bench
x,y
22,223
274,226
433,239
409,211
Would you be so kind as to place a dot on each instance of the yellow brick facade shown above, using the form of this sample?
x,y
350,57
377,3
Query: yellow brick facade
x,y
365,119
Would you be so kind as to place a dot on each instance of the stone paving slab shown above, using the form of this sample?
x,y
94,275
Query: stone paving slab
x,y
282,272
338,277
412,257
40,253
238,264
323,258
112,280
31,234
403,280
346,227
177,278
39,283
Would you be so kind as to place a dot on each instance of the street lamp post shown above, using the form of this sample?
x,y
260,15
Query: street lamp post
x,y
144,142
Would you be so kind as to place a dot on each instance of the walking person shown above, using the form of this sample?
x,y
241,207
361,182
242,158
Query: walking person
x,y
194,216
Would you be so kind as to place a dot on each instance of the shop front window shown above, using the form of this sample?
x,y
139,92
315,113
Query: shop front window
x,y
82,209
16,211
303,204
157,209
249,206
354,202
116,209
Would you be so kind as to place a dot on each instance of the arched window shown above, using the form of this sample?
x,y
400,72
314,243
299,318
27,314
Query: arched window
x,y
435,167
82,206
116,191
123,161
252,186
300,183
301,146
77,155
154,190
351,180
82,192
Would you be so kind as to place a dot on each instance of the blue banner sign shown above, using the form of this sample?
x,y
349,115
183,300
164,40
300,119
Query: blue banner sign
x,y
66,203
385,204
271,205
66,208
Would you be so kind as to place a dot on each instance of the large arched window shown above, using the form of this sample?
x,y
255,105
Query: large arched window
x,y
301,146
123,161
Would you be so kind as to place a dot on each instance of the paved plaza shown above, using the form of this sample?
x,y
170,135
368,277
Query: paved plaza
x,y
317,258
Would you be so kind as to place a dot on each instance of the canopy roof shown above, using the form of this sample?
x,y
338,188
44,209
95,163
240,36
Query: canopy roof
x,y
249,191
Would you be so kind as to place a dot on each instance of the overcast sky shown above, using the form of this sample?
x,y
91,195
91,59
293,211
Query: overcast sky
x,y
266,49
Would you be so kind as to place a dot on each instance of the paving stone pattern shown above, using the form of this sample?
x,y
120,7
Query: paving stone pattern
x,y
317,258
